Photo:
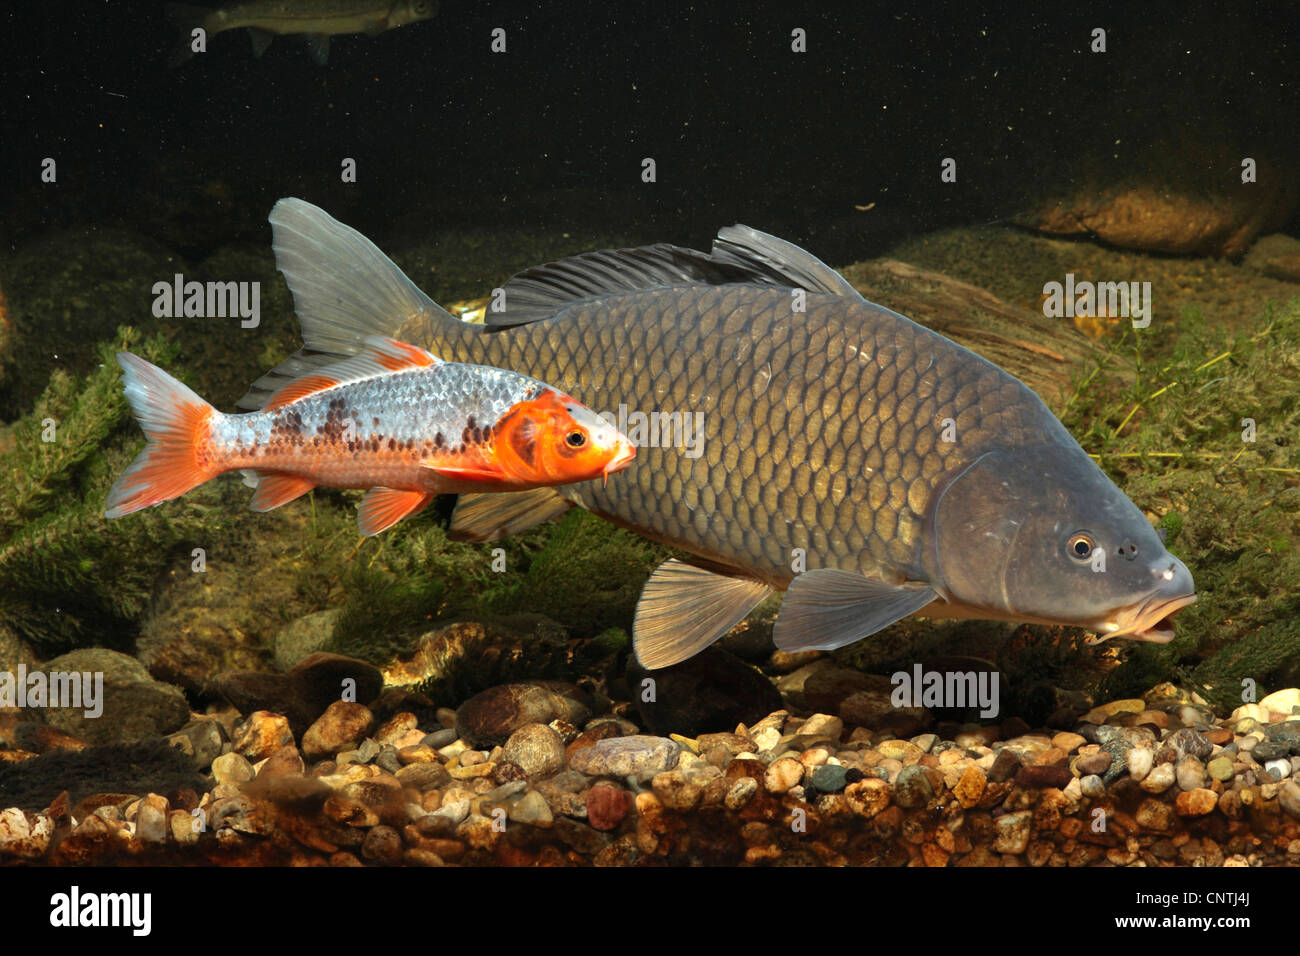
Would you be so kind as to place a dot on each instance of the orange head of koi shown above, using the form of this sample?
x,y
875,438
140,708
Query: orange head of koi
x,y
552,439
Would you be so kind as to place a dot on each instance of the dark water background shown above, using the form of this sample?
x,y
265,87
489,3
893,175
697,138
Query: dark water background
x,y
552,133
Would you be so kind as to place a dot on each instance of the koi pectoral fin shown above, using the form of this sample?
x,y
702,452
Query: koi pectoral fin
x,y
382,508
827,608
483,471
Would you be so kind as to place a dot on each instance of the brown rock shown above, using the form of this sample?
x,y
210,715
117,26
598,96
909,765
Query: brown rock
x,y
342,727
1196,803
286,761
1005,766
382,845
1156,815
492,716
1069,742
261,734
536,749
607,806
869,797
970,788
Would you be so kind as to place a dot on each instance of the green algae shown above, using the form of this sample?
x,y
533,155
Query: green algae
x,y
68,575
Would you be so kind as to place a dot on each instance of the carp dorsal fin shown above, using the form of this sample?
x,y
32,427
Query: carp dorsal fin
x,y
741,255
344,290
685,608
784,262
827,608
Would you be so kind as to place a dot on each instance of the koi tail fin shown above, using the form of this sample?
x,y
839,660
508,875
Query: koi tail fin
x,y
176,422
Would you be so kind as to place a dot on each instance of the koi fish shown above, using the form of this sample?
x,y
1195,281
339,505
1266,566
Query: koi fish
x,y
392,419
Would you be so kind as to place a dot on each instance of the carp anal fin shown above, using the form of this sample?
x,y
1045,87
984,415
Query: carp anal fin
x,y
827,608
684,609
344,290
497,515
740,255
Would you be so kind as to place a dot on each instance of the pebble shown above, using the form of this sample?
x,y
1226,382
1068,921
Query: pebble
x,y
1155,814
1160,779
531,809
1280,769
1196,803
232,768
151,820
1190,773
383,845
1098,715
439,738
261,734
1097,763
1282,701
970,788
537,749
1092,786
492,716
1140,762
607,806
868,798
823,725
1188,742
741,792
1068,742
1012,832
1288,797
830,778
342,727
638,755
783,774
1220,768
913,787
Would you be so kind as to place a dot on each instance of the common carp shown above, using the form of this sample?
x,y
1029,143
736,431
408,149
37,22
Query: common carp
x,y
870,468
392,419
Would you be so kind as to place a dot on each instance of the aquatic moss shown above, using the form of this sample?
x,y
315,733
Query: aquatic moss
x,y
68,576
583,572
1173,439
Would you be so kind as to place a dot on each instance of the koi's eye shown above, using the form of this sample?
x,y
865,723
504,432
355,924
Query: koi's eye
x,y
1080,546
575,439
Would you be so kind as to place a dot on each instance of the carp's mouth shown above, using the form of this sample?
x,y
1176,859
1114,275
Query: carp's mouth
x,y
1149,620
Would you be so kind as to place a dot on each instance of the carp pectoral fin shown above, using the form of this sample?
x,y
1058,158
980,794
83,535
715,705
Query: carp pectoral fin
x,y
275,489
827,608
382,508
490,517
684,609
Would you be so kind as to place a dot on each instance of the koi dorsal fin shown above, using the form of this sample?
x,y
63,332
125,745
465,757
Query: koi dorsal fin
x,y
380,356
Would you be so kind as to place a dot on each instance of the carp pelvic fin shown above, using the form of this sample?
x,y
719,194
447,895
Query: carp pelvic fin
x,y
492,516
828,608
684,609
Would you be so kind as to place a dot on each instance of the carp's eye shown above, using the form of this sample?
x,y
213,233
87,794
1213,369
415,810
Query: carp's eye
x,y
1080,546
575,439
